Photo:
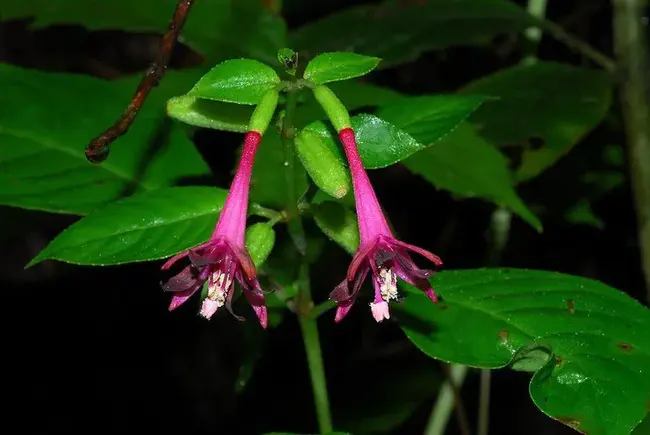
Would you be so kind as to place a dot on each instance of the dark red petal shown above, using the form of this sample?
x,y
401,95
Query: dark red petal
x,y
359,257
404,260
229,305
341,292
184,280
207,253
361,277
423,252
169,263
256,300
383,256
245,263
414,276
179,298
342,309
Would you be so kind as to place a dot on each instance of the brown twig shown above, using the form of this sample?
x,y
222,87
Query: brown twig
x,y
98,149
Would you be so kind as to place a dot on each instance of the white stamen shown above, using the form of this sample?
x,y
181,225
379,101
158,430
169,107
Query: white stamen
x,y
387,284
218,289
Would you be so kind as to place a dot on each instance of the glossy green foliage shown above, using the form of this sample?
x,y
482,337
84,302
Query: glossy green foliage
x,y
335,66
143,227
546,108
643,428
241,81
380,143
430,118
587,343
398,32
42,164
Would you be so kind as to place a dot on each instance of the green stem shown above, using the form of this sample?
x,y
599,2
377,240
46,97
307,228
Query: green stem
x,y
294,222
484,403
499,235
448,396
304,302
270,214
321,309
631,44
317,372
310,337
537,8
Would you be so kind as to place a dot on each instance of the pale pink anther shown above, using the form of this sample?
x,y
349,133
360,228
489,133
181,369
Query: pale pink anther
x,y
380,311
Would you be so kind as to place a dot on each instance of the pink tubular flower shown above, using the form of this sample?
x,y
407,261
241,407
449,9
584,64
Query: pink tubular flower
x,y
224,257
379,251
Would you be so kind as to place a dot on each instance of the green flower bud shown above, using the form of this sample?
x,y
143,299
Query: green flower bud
x,y
323,165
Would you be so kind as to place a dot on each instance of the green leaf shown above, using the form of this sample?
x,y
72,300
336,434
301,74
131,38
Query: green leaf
x,y
210,114
399,32
643,428
467,165
338,223
545,108
260,239
430,118
581,213
269,173
143,16
380,143
143,227
42,163
241,81
590,340
335,66
219,29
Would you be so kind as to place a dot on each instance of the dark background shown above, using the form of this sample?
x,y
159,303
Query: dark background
x,y
95,350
